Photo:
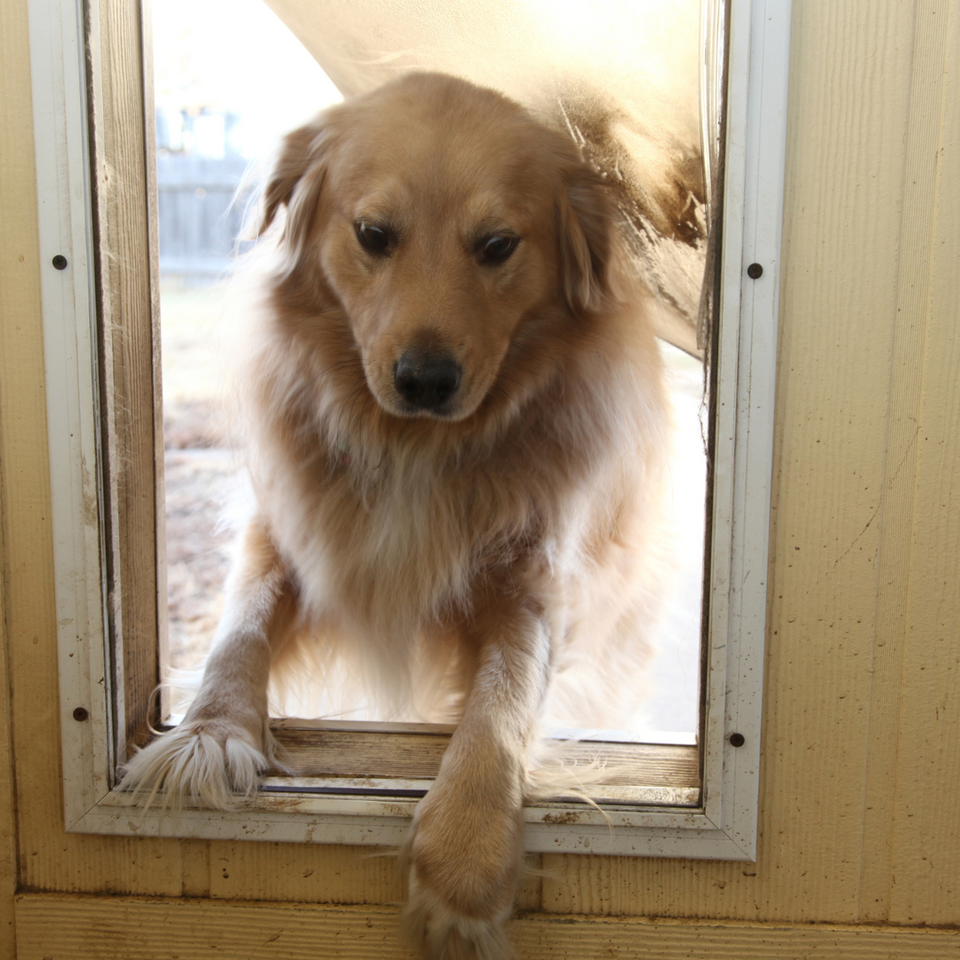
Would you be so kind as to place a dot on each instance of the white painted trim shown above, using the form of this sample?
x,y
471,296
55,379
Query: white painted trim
x,y
63,190
725,826
756,145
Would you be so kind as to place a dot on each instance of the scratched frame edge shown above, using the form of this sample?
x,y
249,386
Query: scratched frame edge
x,y
724,825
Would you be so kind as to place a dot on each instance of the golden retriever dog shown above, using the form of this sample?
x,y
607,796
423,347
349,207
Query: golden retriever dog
x,y
456,430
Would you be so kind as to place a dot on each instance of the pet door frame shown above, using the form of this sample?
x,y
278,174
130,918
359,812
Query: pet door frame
x,y
719,819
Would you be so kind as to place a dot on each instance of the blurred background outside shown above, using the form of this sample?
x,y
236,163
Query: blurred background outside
x,y
230,80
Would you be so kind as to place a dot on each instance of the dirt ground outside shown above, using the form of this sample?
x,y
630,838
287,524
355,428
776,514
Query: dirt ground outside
x,y
200,468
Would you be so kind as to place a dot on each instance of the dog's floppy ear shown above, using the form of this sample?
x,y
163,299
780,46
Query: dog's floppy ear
x,y
587,219
295,182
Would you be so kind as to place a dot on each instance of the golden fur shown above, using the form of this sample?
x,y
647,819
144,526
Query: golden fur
x,y
456,432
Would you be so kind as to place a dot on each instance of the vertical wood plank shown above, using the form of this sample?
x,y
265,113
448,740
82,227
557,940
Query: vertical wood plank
x,y
848,116
19,296
887,708
127,298
29,628
20,286
8,823
925,880
153,253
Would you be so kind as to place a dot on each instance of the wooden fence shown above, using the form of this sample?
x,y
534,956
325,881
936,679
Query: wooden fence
x,y
200,216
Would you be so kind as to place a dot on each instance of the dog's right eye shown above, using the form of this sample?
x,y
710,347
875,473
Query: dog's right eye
x,y
375,239
497,249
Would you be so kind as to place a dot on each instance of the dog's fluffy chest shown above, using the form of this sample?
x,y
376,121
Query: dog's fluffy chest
x,y
398,549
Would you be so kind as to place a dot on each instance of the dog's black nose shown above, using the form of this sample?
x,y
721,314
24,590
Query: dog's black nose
x,y
426,380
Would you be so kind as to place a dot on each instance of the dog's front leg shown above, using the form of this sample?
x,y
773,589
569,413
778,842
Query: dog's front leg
x,y
468,831
224,741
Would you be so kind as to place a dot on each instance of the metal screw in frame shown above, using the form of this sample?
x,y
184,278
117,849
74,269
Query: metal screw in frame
x,y
60,261
755,271
737,739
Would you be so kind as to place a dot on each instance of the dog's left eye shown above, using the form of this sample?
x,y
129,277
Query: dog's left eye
x,y
375,239
498,248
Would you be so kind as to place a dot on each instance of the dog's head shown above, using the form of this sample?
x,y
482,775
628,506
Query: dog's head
x,y
447,224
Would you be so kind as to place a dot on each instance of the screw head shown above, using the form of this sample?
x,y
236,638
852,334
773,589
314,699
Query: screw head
x,y
737,740
80,714
755,271
60,261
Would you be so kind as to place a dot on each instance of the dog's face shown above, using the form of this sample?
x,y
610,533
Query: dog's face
x,y
446,223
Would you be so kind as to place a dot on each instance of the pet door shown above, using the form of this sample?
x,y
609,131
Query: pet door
x,y
645,89
636,85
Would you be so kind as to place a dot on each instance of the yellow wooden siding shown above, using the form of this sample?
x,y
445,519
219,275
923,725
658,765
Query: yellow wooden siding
x,y
25,580
57,927
924,879
860,816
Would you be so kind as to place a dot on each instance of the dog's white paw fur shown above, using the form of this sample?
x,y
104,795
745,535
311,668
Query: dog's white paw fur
x,y
211,762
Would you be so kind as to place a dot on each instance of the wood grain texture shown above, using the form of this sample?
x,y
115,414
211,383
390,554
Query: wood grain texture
x,y
25,555
48,857
926,837
859,817
8,820
414,756
844,149
857,232
126,302
310,873
893,723
59,928
19,292
153,270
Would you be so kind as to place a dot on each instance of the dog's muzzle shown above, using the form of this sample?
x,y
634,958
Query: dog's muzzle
x,y
427,381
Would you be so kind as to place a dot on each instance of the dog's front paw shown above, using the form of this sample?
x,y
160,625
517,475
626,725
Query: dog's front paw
x,y
208,761
442,932
464,861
